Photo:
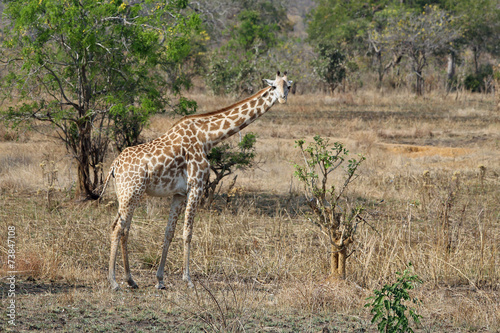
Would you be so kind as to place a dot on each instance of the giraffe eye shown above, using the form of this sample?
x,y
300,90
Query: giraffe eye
x,y
273,87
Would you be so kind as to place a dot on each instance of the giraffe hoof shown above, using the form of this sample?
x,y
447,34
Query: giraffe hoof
x,y
115,287
187,278
160,286
131,283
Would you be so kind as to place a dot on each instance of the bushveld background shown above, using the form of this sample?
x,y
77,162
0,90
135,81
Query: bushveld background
x,y
430,186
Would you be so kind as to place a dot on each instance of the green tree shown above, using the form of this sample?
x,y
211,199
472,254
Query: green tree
x,y
330,65
480,23
418,35
93,69
253,31
385,57
341,28
237,65
342,23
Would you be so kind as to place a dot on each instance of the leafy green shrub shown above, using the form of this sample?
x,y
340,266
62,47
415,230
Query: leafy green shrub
x,y
387,306
476,82
231,73
225,159
334,214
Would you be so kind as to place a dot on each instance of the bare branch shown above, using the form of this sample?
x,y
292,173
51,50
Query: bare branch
x,y
61,89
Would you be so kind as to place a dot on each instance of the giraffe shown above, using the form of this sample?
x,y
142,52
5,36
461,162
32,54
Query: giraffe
x,y
176,164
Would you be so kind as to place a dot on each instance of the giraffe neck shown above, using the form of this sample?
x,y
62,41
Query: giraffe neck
x,y
228,121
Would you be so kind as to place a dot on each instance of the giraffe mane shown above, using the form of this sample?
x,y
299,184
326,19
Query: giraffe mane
x,y
232,106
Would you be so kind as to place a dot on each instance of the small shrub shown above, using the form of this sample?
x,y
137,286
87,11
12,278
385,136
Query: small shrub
x,y
333,213
477,82
387,306
225,159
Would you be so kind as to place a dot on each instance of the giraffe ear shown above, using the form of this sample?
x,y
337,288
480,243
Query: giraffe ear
x,y
269,82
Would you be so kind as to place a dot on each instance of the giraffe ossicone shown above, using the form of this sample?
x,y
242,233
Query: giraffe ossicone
x,y
176,164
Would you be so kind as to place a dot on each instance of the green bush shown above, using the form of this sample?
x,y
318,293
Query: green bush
x,y
476,82
334,214
388,308
225,159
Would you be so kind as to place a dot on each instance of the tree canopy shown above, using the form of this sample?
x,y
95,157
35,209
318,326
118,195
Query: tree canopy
x,y
417,35
392,32
343,23
93,70
240,62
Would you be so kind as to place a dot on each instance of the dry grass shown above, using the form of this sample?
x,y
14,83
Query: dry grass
x,y
430,186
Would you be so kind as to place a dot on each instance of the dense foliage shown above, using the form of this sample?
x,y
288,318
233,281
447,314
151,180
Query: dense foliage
x,y
240,64
225,159
93,70
410,35
416,35
330,65
388,307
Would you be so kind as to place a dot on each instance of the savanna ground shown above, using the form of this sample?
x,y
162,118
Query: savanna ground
x,y
430,186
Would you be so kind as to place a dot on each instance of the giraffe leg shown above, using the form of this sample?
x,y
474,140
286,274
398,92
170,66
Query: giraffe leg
x,y
194,197
126,265
119,233
116,234
178,203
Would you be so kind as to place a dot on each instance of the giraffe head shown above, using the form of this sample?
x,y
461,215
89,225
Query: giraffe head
x,y
280,87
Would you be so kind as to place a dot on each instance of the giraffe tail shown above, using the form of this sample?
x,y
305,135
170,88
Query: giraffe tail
x,y
108,177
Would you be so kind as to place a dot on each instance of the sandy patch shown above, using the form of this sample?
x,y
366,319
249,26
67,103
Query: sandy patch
x,y
422,151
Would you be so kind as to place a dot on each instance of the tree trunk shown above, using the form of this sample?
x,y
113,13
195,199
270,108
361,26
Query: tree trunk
x,y
381,70
337,262
475,52
338,254
496,77
450,72
420,83
85,190
419,62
